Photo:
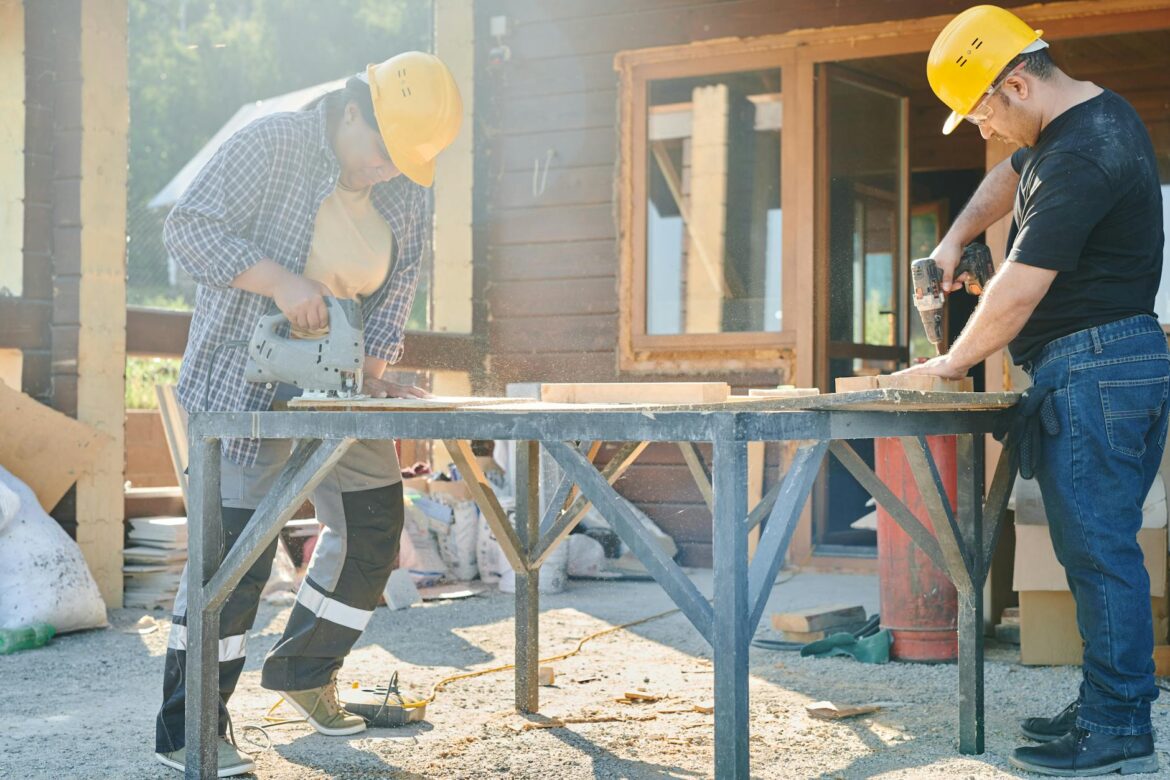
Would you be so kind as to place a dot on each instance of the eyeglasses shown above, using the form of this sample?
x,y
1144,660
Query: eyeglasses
x,y
983,111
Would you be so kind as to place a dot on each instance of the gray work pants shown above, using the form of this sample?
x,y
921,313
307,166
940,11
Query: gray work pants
x,y
360,504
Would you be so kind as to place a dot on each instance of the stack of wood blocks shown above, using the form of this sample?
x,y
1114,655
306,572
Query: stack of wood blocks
x,y
809,625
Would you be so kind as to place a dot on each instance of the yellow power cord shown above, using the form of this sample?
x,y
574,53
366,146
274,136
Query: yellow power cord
x,y
441,684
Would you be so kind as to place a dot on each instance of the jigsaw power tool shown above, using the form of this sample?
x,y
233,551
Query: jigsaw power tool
x,y
330,366
929,296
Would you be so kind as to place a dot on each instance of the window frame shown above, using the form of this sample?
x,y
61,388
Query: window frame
x,y
639,350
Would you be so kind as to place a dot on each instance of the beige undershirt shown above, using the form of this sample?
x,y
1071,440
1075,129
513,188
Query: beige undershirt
x,y
351,250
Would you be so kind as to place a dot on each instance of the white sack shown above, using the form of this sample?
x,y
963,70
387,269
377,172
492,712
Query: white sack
x,y
43,576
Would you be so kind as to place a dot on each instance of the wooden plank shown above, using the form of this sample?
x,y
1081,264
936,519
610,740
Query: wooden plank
x,y
561,111
636,392
554,260
923,382
574,149
12,166
174,423
485,497
575,333
818,618
552,223
156,332
46,449
558,75
786,391
451,290
102,103
544,298
559,187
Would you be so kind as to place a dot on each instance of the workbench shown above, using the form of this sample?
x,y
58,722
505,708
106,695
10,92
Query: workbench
x,y
819,425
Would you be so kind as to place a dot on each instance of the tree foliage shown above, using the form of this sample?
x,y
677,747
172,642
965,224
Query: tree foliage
x,y
193,63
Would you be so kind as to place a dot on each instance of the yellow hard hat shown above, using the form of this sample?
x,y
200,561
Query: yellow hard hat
x,y
418,109
971,51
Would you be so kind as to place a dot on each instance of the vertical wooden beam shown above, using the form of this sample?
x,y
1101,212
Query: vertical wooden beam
x,y
451,288
11,146
101,328
800,152
706,286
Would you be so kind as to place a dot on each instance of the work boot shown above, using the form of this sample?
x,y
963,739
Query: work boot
x,y
1048,729
231,761
1081,753
324,712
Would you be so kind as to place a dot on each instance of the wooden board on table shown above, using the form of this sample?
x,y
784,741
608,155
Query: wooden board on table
x,y
890,400
433,404
784,391
923,382
636,392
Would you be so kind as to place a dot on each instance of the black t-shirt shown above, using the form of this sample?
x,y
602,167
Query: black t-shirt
x,y
1089,206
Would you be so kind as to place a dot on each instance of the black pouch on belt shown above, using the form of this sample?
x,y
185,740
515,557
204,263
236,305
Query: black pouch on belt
x,y
1033,415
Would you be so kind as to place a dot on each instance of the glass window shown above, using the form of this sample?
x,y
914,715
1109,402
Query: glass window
x,y
713,216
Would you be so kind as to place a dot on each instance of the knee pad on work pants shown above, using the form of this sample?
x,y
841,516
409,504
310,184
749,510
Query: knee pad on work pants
x,y
351,563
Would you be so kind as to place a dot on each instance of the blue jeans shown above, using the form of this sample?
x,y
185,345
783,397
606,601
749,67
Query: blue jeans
x,y
1110,393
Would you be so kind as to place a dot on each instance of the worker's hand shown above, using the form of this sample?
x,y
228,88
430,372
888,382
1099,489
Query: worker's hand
x,y
380,388
946,256
941,366
302,301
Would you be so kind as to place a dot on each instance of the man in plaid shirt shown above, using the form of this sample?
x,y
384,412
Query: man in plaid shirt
x,y
327,201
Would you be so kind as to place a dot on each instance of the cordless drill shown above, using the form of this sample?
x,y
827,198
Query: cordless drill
x,y
929,296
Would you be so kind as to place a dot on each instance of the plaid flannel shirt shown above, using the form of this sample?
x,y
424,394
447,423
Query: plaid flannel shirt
x,y
258,198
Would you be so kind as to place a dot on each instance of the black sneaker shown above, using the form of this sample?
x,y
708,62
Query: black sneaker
x,y
1048,729
1081,753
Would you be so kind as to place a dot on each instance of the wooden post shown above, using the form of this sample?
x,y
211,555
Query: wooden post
x,y
705,282
11,147
101,336
451,289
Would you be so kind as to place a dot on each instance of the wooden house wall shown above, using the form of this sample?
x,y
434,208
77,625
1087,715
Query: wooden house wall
x,y
547,233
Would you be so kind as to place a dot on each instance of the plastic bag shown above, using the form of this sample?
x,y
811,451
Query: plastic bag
x,y
43,575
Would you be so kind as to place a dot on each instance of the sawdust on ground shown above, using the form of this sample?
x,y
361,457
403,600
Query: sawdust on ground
x,y
84,707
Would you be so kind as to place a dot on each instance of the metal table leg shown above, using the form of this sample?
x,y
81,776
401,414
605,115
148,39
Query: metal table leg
x,y
730,631
527,580
962,546
970,500
209,582
204,538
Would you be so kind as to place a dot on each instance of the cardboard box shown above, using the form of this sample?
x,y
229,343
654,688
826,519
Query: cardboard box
x,y
1029,506
1048,628
1036,567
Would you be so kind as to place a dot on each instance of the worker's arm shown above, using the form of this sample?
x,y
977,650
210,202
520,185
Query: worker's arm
x,y
300,299
991,201
1005,306
375,386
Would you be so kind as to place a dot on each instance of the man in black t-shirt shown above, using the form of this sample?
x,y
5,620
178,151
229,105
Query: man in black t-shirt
x,y
1074,303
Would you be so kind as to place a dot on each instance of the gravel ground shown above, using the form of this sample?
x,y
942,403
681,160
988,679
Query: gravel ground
x,y
84,706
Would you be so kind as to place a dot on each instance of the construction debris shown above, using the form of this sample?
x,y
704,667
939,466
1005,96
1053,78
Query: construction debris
x,y
638,697
827,710
400,591
547,675
154,564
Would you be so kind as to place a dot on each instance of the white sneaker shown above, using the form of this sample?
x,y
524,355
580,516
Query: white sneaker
x,y
232,761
